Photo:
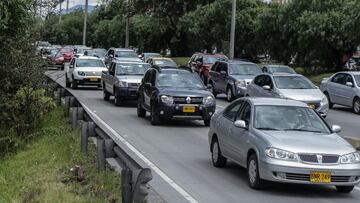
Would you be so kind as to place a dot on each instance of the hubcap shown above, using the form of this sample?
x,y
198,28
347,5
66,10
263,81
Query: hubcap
x,y
229,95
252,171
215,152
357,106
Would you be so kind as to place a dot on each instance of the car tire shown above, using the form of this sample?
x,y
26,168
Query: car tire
x,y
117,101
141,112
62,67
356,105
207,122
255,182
331,105
213,89
344,189
154,118
229,94
67,82
217,158
106,95
74,84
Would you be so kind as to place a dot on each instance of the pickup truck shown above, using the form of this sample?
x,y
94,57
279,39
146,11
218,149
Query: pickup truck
x,y
122,80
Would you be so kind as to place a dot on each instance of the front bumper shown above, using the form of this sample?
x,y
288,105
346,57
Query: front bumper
x,y
126,92
323,109
202,112
296,172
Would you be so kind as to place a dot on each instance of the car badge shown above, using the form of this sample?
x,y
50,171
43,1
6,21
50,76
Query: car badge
x,y
319,158
188,100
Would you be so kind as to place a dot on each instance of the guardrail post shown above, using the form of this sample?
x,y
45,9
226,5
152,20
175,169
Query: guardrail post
x,y
141,187
91,129
101,154
72,101
126,188
62,92
74,118
80,113
67,106
84,137
109,146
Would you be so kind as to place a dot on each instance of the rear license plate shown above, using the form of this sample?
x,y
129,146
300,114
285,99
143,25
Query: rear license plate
x,y
93,79
320,177
188,109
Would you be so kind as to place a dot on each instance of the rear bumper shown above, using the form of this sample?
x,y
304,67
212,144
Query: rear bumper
x,y
88,80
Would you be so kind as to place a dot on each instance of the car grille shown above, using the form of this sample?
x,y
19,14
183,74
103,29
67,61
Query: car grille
x,y
92,73
306,177
136,85
182,100
313,158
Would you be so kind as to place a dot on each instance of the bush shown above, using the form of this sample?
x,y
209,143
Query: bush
x,y
300,70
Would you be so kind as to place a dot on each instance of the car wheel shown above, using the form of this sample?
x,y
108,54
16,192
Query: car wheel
x,y
67,82
344,189
207,122
74,84
254,179
62,67
217,158
117,101
328,98
213,89
229,94
141,112
356,105
155,118
106,95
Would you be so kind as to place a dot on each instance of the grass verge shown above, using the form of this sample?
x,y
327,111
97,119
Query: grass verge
x,y
40,172
316,79
181,61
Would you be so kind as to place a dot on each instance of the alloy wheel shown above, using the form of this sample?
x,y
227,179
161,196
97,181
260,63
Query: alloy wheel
x,y
252,171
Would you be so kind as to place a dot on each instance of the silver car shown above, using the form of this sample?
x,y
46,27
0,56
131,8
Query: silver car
x,y
289,86
283,141
343,88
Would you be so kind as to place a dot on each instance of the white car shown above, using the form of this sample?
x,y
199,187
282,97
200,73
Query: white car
x,y
84,70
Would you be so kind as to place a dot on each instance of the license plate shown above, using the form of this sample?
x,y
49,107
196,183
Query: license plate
x,y
312,106
93,79
320,177
188,109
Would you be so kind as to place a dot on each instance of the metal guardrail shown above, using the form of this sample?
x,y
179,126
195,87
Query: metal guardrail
x,y
135,177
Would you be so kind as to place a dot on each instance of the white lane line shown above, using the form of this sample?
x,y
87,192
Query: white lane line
x,y
157,170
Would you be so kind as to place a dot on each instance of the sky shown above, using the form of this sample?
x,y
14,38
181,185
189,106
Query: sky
x,y
79,2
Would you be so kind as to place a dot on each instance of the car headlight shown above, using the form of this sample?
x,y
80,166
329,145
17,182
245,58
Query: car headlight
x,y
81,73
240,83
208,100
324,100
281,154
350,158
121,84
167,99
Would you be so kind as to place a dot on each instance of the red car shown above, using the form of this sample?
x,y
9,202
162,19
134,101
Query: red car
x,y
201,63
61,57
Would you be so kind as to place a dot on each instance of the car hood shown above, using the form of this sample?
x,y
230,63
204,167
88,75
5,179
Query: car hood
x,y
130,78
247,78
181,92
305,95
308,142
92,69
128,59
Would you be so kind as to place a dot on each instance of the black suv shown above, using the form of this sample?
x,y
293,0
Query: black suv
x,y
170,93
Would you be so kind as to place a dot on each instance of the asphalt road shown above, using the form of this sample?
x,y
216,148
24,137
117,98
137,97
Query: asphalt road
x,y
181,150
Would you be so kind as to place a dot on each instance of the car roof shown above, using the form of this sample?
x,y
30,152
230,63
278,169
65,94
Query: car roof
x,y
276,65
122,49
173,70
151,53
238,62
131,62
260,101
88,57
285,74
161,58
350,72
209,54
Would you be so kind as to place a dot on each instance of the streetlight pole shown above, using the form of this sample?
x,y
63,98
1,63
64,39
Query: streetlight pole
x,y
60,11
85,19
67,6
127,24
232,30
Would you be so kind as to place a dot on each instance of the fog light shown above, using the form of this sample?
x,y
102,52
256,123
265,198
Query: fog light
x,y
162,112
281,175
177,107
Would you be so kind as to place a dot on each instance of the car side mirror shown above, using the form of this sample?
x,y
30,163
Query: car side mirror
x,y
240,124
223,72
349,84
266,87
336,128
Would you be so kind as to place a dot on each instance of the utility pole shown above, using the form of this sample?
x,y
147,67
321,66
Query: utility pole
x,y
67,6
40,12
85,19
60,11
127,24
232,30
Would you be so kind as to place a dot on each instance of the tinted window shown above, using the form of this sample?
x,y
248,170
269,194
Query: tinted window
x,y
281,69
179,80
164,62
244,69
232,110
126,54
348,78
213,59
357,78
224,67
131,69
89,63
259,80
339,78
97,53
293,82
245,113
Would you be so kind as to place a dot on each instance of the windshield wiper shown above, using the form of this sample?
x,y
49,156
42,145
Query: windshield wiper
x,y
268,129
303,130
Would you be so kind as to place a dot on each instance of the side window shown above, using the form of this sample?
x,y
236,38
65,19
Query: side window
x,y
265,70
259,80
348,78
147,76
72,62
232,110
339,78
267,81
224,67
213,67
153,77
245,113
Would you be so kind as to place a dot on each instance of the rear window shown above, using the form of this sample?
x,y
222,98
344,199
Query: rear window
x,y
212,59
89,63
293,82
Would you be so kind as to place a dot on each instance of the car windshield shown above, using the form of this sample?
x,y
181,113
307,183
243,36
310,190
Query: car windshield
x,y
152,55
164,62
131,69
357,78
212,60
288,118
67,49
125,54
100,53
244,69
179,80
89,63
281,69
292,82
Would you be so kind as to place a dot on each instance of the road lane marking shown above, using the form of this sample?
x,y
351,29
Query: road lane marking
x,y
157,170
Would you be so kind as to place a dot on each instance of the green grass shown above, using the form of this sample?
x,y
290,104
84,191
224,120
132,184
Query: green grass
x,y
181,61
316,79
40,172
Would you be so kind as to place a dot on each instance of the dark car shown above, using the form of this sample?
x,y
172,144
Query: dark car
x,y
174,93
277,69
232,77
201,63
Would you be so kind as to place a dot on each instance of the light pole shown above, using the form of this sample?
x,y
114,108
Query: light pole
x,y
60,11
232,30
85,19
127,24
67,6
